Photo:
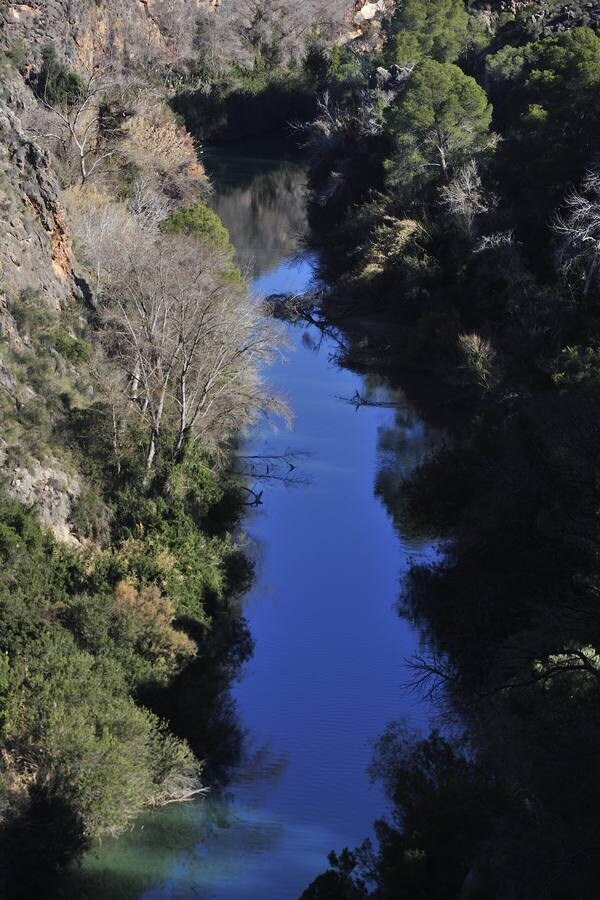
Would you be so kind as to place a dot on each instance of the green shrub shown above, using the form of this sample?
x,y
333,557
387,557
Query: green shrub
x,y
56,84
30,313
73,651
344,65
16,55
90,515
198,220
578,365
73,349
86,739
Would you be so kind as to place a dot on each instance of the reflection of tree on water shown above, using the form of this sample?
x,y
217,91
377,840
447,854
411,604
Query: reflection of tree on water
x,y
265,217
504,805
198,703
402,444
400,447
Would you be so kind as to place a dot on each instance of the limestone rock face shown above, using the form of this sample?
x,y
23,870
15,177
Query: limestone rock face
x,y
35,255
370,11
366,21
35,247
391,80
118,32
546,15
48,490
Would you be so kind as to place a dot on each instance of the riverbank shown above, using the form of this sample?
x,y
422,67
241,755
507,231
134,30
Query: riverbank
x,y
468,251
121,576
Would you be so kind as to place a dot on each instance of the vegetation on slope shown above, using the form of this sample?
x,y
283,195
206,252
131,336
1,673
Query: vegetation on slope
x,y
465,192
128,617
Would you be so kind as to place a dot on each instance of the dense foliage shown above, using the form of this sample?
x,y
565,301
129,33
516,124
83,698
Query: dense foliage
x,y
475,253
91,641
55,83
420,30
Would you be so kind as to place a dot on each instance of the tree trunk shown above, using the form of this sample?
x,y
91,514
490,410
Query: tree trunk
x,y
592,272
151,453
156,423
135,382
443,161
116,440
182,443
82,168
183,424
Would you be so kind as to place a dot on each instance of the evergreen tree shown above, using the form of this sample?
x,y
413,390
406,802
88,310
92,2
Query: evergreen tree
x,y
421,28
439,121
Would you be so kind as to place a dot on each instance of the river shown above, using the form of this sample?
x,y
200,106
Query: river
x,y
328,670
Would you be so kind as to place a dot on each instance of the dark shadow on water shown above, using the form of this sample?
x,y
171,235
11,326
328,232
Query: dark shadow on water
x,y
237,164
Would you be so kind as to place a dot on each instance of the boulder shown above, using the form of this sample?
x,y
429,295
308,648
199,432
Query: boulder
x,y
369,12
380,78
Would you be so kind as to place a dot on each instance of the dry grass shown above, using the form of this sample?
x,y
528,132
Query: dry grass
x,y
151,614
155,144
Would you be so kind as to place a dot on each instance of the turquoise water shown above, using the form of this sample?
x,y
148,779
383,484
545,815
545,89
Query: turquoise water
x,y
328,669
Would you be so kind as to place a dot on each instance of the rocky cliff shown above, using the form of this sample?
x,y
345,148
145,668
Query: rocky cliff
x,y
34,238
546,15
138,32
35,261
39,274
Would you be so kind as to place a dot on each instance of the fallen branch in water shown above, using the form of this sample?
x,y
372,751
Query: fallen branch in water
x,y
185,798
178,789
305,308
270,460
358,400
256,495
261,467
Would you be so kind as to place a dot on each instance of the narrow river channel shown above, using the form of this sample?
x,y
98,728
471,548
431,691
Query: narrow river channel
x,y
328,669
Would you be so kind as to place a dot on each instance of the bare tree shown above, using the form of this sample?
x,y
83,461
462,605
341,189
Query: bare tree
x,y
109,390
497,240
464,196
147,204
251,32
100,229
177,22
76,127
579,227
479,358
190,342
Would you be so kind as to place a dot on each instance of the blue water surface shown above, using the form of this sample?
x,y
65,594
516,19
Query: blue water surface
x,y
328,671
